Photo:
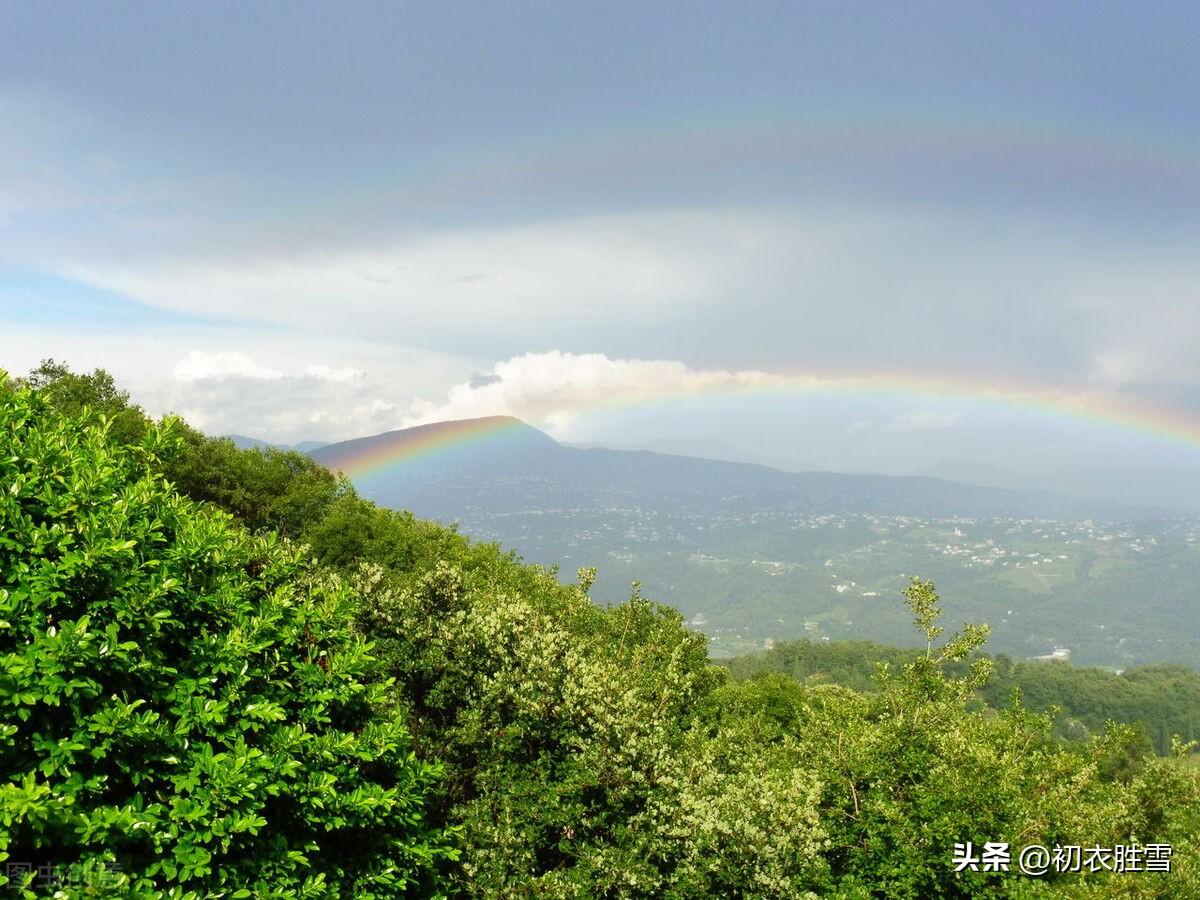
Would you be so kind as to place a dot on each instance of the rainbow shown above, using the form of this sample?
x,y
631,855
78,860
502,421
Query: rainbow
x,y
886,132
1093,408
723,133
364,457
367,456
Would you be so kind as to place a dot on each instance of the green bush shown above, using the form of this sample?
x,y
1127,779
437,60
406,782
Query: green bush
x,y
909,770
185,705
572,766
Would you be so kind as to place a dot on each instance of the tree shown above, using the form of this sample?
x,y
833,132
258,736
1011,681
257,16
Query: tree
x,y
188,709
72,392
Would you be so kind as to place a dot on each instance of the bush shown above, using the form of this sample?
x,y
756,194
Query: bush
x,y
571,767
186,707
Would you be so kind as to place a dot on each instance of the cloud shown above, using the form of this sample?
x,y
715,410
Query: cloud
x,y
198,365
552,388
274,385
327,373
723,288
479,380
586,269
359,263
231,392
812,233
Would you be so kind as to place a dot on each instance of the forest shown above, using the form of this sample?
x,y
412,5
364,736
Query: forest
x,y
1162,701
226,674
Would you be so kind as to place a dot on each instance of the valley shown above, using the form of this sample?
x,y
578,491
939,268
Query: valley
x,y
752,555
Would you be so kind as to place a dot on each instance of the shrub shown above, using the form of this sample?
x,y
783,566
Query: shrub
x,y
186,706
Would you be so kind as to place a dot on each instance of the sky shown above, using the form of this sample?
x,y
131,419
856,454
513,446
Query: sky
x,y
957,239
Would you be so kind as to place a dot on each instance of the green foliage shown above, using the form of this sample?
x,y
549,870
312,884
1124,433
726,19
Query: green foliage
x,y
1160,701
72,393
278,490
924,677
183,700
559,723
910,769
264,488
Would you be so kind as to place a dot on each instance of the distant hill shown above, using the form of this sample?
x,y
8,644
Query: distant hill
x,y
486,447
243,442
1176,489
501,464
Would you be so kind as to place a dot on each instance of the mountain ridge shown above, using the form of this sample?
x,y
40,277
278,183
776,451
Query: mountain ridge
x,y
519,449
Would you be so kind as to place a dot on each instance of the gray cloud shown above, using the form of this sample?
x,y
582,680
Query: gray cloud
x,y
415,194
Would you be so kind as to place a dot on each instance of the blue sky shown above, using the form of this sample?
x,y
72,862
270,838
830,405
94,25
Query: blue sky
x,y
316,221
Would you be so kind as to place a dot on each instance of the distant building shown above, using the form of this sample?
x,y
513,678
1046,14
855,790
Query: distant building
x,y
1059,654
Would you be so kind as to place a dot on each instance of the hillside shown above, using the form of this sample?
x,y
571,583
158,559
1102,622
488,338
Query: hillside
x,y
243,442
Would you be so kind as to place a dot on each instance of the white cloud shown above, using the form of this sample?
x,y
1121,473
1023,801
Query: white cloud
x,y
278,386
563,273
552,388
723,286
198,365
326,373
225,364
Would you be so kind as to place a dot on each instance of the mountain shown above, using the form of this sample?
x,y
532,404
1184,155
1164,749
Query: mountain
x,y
245,443
501,464
751,554
702,449
1161,487
242,442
